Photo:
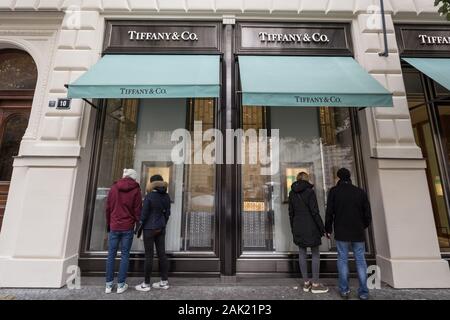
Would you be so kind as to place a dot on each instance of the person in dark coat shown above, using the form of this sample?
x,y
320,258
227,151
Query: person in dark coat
x,y
348,211
307,229
123,210
154,218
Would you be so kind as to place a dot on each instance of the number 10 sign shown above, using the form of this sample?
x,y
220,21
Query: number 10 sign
x,y
63,104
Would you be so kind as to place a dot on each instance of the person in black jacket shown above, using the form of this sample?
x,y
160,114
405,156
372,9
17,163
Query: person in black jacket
x,y
154,217
307,229
348,211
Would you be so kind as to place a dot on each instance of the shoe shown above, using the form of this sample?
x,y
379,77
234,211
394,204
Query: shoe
x,y
108,288
345,295
161,285
143,287
364,297
318,288
122,288
306,286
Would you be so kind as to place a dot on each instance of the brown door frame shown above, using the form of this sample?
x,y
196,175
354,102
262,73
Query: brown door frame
x,y
12,103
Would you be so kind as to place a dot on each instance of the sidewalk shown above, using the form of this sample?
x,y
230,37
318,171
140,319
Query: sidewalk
x,y
214,289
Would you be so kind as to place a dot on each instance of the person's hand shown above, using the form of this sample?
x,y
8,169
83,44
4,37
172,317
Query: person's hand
x,y
137,227
328,235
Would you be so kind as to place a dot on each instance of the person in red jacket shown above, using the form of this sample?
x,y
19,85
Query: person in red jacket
x,y
123,210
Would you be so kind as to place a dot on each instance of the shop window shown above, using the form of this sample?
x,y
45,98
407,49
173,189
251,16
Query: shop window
x,y
424,138
441,91
423,132
137,134
198,221
444,122
17,70
413,82
316,140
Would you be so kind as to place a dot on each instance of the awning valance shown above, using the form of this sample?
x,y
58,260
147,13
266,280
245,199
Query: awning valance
x,y
436,69
150,76
309,82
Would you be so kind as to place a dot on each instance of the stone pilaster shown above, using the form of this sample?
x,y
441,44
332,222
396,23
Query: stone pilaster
x,y
405,236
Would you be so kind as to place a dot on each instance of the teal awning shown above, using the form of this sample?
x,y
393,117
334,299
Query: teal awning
x,y
309,82
436,69
150,76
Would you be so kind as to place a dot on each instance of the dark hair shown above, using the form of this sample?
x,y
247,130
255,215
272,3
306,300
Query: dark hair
x,y
343,174
303,176
156,177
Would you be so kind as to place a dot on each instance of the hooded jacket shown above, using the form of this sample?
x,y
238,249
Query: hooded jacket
x,y
348,211
124,204
156,209
306,224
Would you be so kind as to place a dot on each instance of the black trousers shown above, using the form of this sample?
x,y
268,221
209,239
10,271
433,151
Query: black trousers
x,y
150,238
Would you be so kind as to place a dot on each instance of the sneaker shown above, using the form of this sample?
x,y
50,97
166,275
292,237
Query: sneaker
x,y
364,297
122,288
143,287
108,288
345,295
306,286
318,288
161,285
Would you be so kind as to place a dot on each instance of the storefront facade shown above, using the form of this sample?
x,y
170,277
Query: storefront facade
x,y
424,50
326,137
205,71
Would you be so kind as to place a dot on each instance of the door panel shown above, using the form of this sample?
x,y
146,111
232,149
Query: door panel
x,y
14,116
4,188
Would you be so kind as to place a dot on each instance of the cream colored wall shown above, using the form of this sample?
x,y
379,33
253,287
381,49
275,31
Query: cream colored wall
x,y
319,7
42,226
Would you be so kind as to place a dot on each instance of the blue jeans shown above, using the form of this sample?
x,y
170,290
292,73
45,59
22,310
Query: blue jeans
x,y
114,238
359,250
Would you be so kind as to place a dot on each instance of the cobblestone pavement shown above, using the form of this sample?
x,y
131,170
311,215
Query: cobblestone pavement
x,y
215,289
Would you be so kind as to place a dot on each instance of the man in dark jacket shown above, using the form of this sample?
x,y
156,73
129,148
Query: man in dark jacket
x,y
154,218
123,209
348,210
307,229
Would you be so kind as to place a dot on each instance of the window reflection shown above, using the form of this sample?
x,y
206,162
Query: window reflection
x,y
316,140
199,190
444,121
137,134
423,133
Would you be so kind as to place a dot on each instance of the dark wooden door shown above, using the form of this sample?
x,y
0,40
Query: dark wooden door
x,y
14,115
